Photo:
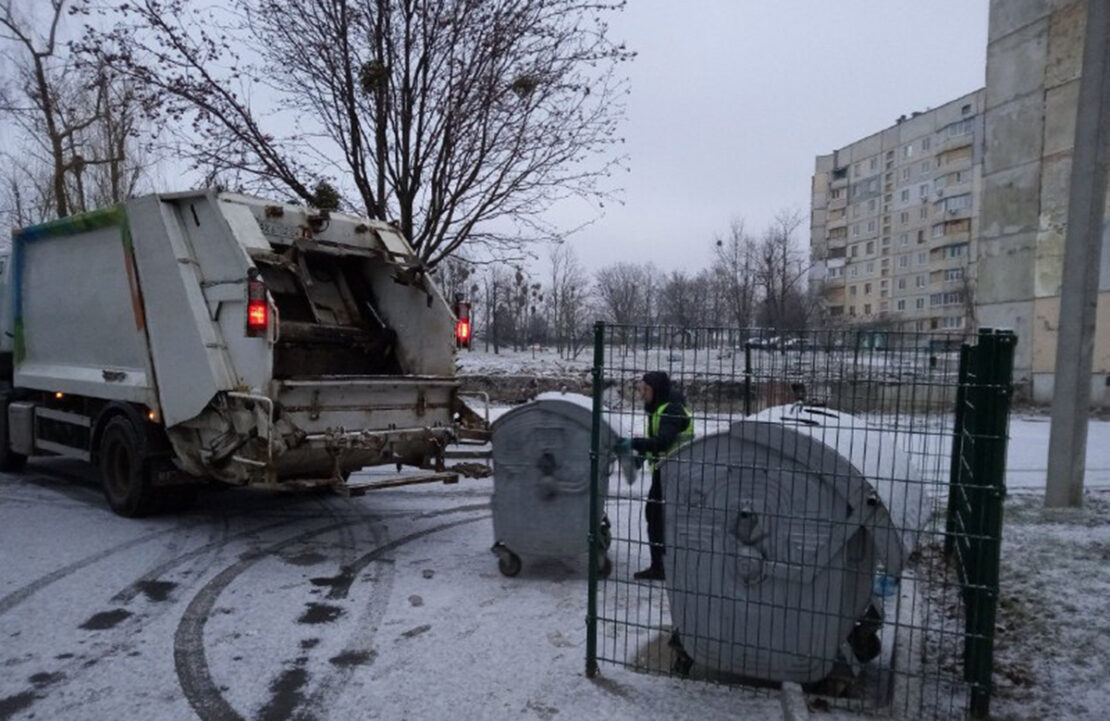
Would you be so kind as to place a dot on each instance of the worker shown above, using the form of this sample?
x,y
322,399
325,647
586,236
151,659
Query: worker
x,y
669,425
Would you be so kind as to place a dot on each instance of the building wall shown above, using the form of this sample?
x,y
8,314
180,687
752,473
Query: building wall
x,y
1034,61
894,223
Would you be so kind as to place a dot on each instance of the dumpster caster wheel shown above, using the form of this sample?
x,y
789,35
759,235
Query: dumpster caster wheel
x,y
507,561
681,662
509,564
604,567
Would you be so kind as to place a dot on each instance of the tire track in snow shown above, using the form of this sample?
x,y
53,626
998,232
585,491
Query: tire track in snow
x,y
190,659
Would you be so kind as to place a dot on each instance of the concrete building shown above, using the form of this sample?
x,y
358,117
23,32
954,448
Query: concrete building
x,y
1034,62
895,223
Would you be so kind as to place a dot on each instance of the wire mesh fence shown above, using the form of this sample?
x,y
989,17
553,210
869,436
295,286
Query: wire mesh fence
x,y
806,532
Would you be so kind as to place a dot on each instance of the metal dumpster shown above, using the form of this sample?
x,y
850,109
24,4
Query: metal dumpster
x,y
776,531
541,481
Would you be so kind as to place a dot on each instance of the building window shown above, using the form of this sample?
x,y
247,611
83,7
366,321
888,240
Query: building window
x,y
867,289
854,271
870,247
901,305
855,230
938,230
901,284
904,217
874,164
871,226
926,143
921,281
922,257
840,173
856,169
958,128
920,237
852,291
867,309
954,323
966,110
886,241
907,150
870,267
957,202
920,304
923,214
926,167
872,205
956,251
855,251
905,195
852,311
923,190
903,261
905,173
954,274
835,194
904,239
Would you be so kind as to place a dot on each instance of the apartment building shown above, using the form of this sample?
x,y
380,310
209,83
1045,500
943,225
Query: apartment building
x,y
895,223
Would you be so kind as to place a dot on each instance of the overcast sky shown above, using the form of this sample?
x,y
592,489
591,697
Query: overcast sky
x,y
731,100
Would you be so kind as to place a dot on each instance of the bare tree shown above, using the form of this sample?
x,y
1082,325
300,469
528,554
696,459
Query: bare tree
x,y
781,271
734,266
76,122
462,119
621,292
568,299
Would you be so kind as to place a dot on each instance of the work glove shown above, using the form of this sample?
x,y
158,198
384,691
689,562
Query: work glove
x,y
623,447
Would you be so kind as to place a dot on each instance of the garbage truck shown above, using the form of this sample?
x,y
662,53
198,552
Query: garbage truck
x,y
197,337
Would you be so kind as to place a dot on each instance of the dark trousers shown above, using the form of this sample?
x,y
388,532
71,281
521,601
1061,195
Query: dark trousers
x,y
653,514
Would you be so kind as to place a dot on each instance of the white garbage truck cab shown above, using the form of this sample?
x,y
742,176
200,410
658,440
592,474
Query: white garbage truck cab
x,y
203,336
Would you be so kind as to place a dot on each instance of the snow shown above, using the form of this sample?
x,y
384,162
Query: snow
x,y
239,609
242,601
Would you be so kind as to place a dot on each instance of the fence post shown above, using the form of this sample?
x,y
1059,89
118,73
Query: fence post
x,y
748,377
595,502
995,384
955,485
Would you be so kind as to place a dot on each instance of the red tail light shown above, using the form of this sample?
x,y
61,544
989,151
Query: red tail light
x,y
258,309
462,326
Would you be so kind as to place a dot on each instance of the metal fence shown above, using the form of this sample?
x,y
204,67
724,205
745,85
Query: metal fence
x,y
835,521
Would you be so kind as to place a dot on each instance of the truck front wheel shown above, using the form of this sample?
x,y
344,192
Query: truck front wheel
x,y
124,468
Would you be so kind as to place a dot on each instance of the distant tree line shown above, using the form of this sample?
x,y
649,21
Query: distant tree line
x,y
753,281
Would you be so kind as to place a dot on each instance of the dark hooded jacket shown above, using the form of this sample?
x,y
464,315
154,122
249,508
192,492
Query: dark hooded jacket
x,y
674,419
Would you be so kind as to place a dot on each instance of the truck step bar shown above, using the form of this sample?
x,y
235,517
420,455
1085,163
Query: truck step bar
x,y
360,487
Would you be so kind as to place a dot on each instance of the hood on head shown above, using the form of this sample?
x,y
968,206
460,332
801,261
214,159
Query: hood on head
x,y
660,384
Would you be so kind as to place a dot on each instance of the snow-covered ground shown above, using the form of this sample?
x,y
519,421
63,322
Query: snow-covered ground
x,y
265,606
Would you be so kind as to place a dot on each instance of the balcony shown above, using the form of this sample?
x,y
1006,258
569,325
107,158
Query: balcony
x,y
949,238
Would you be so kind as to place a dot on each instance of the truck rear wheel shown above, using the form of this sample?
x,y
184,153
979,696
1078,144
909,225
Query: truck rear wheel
x,y
124,468
9,459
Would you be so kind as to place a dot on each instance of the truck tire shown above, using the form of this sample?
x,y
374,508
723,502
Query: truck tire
x,y
9,459
125,468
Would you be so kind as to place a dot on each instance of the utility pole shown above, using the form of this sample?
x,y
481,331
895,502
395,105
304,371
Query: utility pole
x,y
1071,397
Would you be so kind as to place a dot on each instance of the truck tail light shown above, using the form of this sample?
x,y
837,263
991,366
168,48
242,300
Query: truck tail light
x,y
462,325
258,308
